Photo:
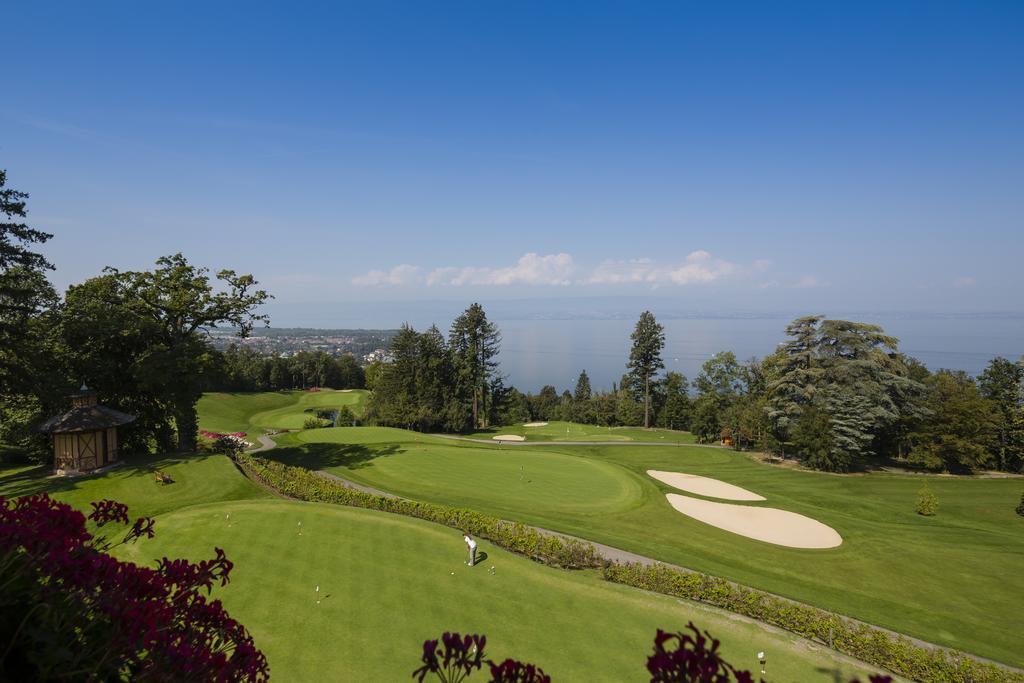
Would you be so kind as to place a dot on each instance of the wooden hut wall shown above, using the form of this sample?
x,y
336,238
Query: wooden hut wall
x,y
111,444
65,449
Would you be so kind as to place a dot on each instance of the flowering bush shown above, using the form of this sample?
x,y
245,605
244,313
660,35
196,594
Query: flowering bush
x,y
68,610
453,657
226,443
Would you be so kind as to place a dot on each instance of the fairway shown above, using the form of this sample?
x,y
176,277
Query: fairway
x,y
505,479
574,431
386,584
881,573
255,413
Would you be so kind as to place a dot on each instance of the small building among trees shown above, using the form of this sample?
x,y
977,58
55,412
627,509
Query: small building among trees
x,y
85,437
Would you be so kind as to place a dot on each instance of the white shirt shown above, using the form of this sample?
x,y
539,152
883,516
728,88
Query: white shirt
x,y
470,542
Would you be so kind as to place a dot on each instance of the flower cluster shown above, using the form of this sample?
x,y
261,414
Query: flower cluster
x,y
68,609
226,443
459,657
512,671
694,658
217,435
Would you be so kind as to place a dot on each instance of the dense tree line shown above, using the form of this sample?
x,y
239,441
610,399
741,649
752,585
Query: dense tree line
x,y
434,383
242,369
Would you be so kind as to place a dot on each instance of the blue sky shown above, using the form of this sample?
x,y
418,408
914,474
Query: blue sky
x,y
805,156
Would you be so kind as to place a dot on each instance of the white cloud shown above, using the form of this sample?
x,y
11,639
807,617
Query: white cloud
x,y
697,268
810,282
530,269
404,274
964,281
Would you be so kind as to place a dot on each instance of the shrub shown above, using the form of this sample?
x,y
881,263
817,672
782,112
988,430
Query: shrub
x,y
298,482
71,611
1020,506
345,417
314,423
927,502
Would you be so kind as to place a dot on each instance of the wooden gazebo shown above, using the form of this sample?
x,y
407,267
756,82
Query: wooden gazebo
x,y
85,437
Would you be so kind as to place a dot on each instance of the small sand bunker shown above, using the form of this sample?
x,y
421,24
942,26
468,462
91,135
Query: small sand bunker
x,y
771,525
509,437
536,424
346,391
703,486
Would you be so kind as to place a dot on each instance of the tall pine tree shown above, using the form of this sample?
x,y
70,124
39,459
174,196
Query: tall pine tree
x,y
645,357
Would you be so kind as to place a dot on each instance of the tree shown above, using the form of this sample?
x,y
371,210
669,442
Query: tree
x,y
704,419
960,429
178,302
676,409
475,343
645,357
1002,382
848,371
581,407
544,405
24,294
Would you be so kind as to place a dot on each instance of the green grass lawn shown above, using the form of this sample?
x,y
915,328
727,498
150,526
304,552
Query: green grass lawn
x,y
574,431
389,582
197,479
255,413
951,579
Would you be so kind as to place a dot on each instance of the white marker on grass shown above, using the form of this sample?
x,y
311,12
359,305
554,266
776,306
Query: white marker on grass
x,y
317,593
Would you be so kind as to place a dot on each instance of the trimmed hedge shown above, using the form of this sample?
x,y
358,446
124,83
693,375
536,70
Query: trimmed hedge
x,y
300,483
862,641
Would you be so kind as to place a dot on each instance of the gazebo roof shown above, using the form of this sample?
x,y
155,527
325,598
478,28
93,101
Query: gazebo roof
x,y
86,419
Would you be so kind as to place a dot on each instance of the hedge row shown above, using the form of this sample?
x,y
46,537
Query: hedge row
x,y
859,640
300,483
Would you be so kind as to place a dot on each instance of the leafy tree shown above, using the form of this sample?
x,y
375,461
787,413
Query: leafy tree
x,y
927,501
514,407
676,407
853,373
474,343
705,419
645,357
813,438
1002,382
604,406
721,376
544,405
959,431
745,421
176,302
345,417
25,293
628,411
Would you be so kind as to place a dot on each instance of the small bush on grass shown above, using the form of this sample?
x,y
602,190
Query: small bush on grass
x,y
346,417
1020,506
927,502
315,423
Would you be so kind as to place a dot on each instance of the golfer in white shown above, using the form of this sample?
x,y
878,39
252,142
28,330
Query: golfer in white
x,y
471,544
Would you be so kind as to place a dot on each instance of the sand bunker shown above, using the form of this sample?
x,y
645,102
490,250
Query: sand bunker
x,y
536,424
763,524
703,486
346,391
509,437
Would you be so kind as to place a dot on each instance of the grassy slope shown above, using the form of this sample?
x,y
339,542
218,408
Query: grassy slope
x,y
573,431
949,579
197,479
254,413
387,584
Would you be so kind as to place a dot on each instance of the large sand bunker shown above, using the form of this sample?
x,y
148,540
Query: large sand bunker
x,y
703,486
509,437
536,424
771,525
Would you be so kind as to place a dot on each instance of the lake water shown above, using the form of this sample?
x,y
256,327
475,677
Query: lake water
x,y
538,352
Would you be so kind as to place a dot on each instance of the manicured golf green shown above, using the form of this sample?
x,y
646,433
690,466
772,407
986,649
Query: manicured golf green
x,y
574,431
254,413
950,579
388,582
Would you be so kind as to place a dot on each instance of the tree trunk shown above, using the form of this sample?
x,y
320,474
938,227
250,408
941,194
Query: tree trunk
x,y
186,422
476,405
